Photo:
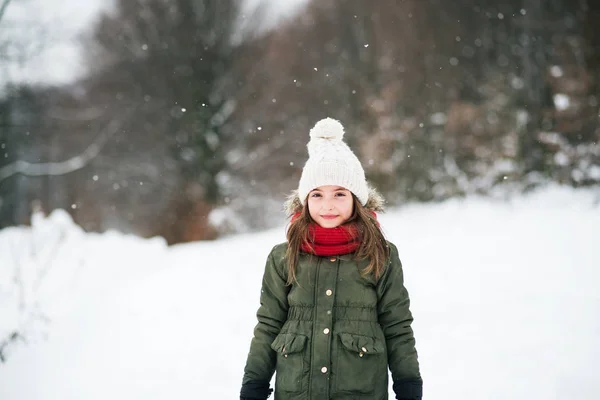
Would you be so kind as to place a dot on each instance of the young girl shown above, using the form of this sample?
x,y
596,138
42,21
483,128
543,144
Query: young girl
x,y
334,311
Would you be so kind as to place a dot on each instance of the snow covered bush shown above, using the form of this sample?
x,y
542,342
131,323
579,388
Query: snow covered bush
x,y
46,271
35,267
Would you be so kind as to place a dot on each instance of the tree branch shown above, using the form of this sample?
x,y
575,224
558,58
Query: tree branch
x,y
3,8
63,167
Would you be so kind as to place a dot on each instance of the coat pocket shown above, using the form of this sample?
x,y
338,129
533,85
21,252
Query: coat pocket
x,y
289,372
360,359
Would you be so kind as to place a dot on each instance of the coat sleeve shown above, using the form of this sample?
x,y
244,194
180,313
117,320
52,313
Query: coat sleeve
x,y
272,313
395,319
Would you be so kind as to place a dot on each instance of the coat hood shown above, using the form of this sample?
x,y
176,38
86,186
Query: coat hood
x,y
293,204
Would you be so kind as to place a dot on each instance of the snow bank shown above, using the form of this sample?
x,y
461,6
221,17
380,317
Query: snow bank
x,y
504,295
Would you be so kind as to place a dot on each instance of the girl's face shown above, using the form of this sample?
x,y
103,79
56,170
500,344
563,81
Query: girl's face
x,y
330,206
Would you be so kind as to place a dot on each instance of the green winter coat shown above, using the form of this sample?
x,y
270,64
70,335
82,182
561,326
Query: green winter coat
x,y
333,333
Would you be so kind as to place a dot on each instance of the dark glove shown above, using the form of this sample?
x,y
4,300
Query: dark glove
x,y
409,390
255,391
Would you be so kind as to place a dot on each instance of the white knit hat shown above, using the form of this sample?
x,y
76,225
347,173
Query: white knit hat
x,y
331,162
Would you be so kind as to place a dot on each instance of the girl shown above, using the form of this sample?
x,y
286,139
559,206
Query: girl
x,y
334,311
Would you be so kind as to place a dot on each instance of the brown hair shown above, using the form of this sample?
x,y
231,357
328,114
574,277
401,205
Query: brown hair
x,y
373,245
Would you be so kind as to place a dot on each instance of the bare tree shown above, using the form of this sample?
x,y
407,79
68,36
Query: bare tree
x,y
63,167
172,59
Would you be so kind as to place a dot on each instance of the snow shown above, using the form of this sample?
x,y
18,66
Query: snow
x,y
439,118
504,295
561,101
594,172
556,71
277,9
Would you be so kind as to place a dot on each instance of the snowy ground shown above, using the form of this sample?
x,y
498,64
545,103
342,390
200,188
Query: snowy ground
x,y
505,297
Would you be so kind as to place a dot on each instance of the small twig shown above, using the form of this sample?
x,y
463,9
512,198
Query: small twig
x,y
18,279
3,8
49,263
11,338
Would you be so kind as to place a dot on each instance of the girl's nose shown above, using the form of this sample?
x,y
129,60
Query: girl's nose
x,y
328,206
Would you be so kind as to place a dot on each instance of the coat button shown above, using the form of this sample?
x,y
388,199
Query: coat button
x,y
328,292
324,370
326,331
364,350
332,259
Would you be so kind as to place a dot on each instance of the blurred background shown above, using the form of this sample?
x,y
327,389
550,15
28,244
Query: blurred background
x,y
189,119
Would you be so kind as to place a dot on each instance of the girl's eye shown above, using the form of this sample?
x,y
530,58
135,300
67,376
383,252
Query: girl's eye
x,y
315,195
341,194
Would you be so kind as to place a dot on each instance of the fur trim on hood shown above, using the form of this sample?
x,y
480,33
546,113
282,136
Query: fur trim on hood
x,y
293,204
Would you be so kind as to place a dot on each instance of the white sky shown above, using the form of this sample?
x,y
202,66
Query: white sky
x,y
55,26
63,21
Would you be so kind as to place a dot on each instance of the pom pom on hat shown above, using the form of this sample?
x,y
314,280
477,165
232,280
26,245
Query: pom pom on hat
x,y
327,128
331,162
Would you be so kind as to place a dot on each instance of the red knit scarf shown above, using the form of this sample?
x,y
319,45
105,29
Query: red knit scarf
x,y
343,239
